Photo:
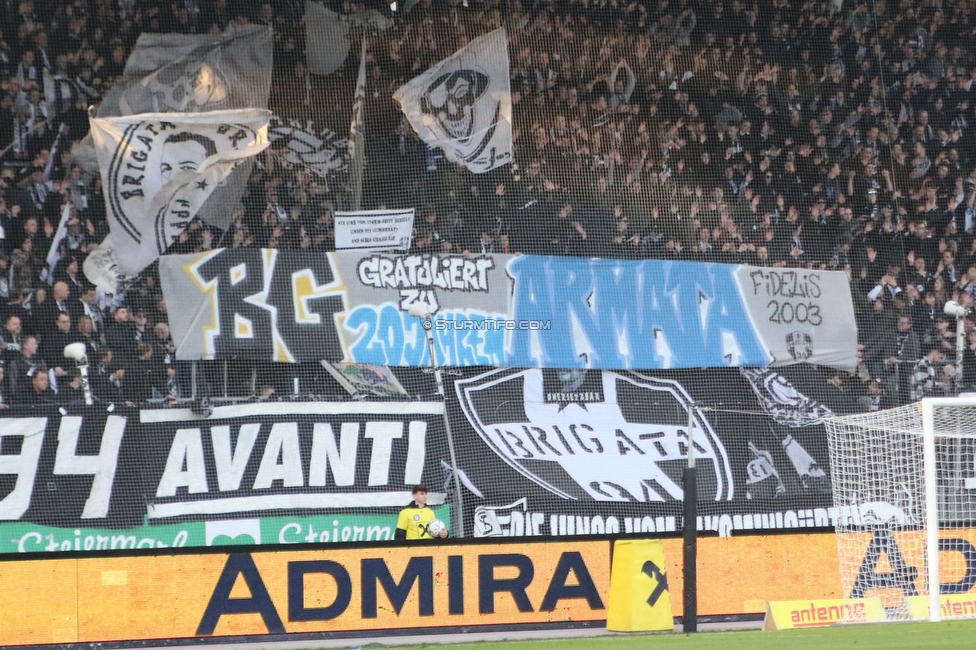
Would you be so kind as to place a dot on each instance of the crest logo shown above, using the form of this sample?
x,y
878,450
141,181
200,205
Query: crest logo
x,y
800,345
631,445
572,386
308,147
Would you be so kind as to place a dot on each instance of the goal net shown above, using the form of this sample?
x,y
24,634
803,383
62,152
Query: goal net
x,y
903,481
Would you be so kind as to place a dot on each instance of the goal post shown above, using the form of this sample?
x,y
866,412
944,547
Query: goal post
x,y
931,508
900,477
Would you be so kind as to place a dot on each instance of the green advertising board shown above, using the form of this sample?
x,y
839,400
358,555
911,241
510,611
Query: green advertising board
x,y
21,537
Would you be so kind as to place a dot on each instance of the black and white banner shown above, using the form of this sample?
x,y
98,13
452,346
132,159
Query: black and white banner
x,y
540,452
158,169
464,104
564,452
249,460
374,229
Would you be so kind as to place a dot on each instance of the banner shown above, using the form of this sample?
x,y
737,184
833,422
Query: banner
x,y
374,229
463,104
364,379
183,73
509,311
158,169
797,614
339,471
25,537
541,453
92,599
302,456
577,452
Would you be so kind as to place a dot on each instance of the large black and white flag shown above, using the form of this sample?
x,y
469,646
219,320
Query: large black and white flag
x,y
158,169
464,104
179,73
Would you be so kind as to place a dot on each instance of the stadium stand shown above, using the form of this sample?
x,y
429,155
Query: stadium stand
x,y
784,133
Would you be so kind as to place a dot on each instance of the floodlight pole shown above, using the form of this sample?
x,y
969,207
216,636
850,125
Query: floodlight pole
x,y
428,326
689,619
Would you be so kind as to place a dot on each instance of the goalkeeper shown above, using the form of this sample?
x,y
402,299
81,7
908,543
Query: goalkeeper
x,y
415,521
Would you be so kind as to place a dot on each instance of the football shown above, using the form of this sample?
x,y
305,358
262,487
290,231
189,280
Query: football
x,y
435,527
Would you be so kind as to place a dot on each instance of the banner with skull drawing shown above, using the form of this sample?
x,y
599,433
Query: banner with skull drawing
x,y
158,169
464,104
179,73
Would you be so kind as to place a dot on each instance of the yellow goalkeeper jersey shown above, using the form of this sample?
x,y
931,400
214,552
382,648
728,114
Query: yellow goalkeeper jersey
x,y
415,520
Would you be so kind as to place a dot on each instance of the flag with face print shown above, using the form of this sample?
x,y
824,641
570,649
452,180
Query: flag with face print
x,y
158,169
463,105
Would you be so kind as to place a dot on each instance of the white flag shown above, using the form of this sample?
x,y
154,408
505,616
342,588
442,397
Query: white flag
x,y
193,73
53,254
181,73
327,39
102,268
464,104
357,128
158,169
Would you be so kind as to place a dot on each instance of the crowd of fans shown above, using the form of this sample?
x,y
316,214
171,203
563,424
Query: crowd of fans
x,y
826,135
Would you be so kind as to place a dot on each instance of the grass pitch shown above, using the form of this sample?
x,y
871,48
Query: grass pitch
x,y
893,636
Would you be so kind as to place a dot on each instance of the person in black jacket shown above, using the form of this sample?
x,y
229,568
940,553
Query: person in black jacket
x,y
120,335
38,390
54,342
70,390
108,384
144,375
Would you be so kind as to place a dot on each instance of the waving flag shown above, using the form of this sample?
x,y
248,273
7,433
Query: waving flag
x,y
464,104
180,73
158,169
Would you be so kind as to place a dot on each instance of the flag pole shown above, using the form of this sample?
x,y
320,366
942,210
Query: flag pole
x,y
357,146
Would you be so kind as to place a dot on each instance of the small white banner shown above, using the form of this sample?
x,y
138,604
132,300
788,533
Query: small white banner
x,y
374,229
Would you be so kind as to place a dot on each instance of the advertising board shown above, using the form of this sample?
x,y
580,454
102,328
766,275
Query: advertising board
x,y
321,590
385,589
